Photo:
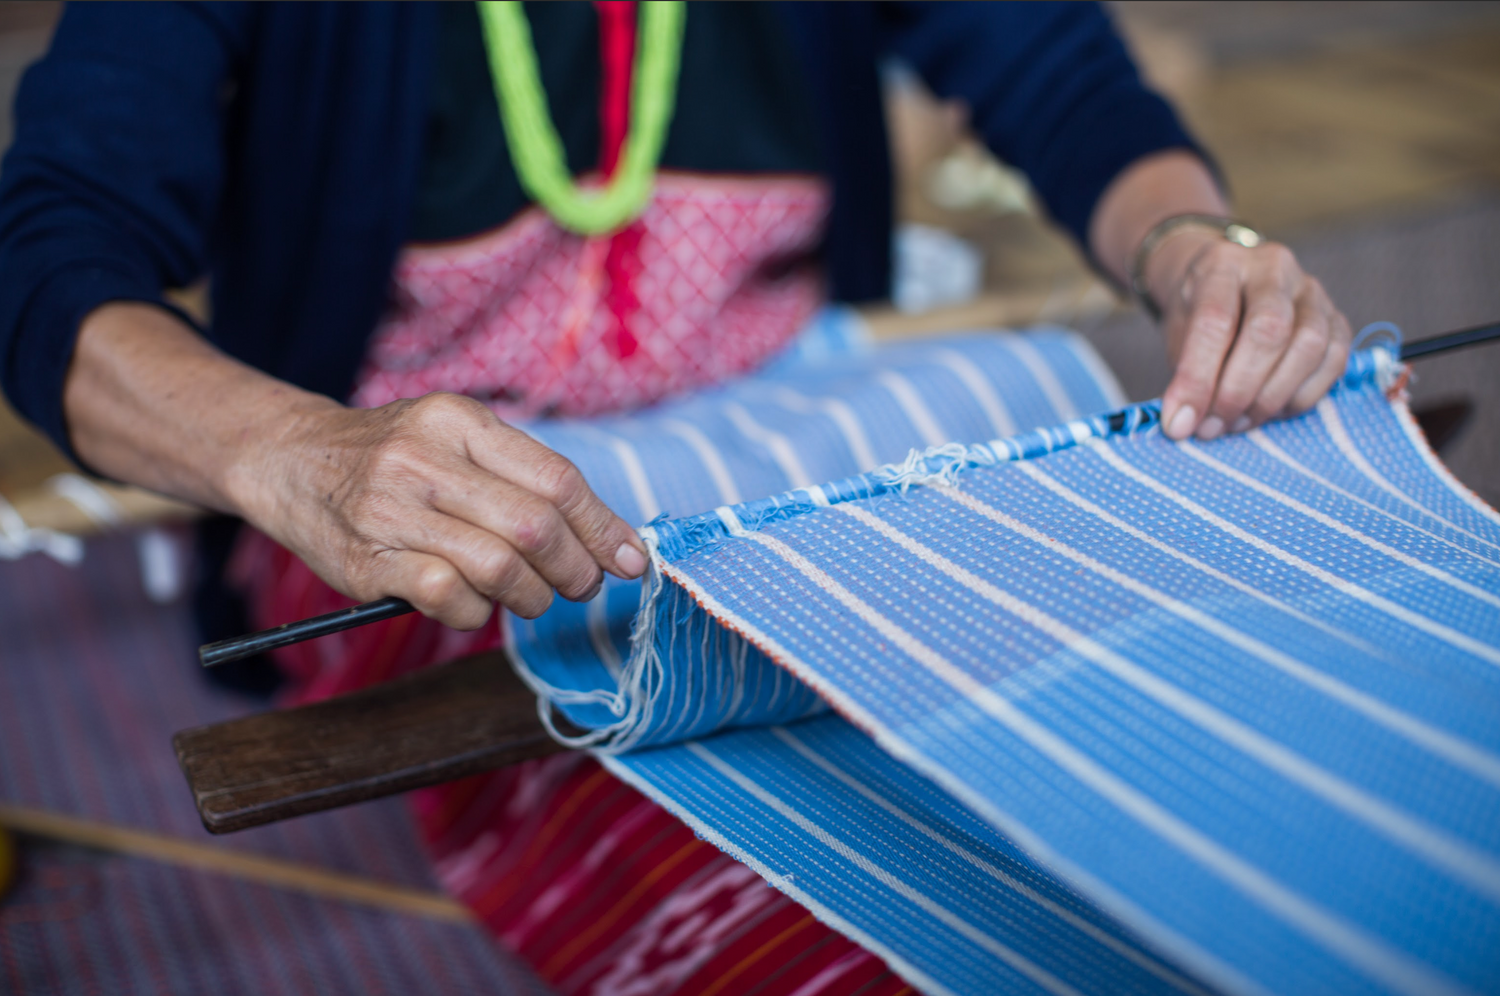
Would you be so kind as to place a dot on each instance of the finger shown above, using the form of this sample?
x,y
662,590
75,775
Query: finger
x,y
1265,333
1327,374
488,564
509,453
529,525
430,583
1212,321
1303,358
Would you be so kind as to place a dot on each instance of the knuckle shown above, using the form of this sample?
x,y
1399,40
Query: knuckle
x,y
496,568
1282,259
557,479
506,576
1310,343
536,529
437,586
443,408
1212,322
1266,331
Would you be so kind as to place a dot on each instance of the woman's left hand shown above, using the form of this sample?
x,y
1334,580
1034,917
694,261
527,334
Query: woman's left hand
x,y
1252,337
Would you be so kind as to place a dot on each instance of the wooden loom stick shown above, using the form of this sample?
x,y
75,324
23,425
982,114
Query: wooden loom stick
x,y
257,868
430,726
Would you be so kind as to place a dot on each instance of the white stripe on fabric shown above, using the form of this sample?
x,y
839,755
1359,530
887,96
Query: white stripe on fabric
x,y
982,390
1367,953
622,769
843,418
1440,848
780,448
913,406
1456,750
596,615
1329,413
708,454
1041,371
1063,491
926,903
1069,917
635,473
1122,906
1436,573
1102,375
1269,447
1430,626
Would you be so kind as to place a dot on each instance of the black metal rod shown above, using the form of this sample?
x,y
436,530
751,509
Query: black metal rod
x,y
336,622
1453,340
251,644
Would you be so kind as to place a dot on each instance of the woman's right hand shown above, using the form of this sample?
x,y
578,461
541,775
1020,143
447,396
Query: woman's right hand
x,y
434,500
439,502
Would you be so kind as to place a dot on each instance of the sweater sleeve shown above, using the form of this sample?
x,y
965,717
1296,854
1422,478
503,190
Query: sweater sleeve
x,y
110,188
1050,88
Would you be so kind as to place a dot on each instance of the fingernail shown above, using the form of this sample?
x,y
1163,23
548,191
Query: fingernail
x,y
1182,423
1240,424
1212,428
630,561
593,592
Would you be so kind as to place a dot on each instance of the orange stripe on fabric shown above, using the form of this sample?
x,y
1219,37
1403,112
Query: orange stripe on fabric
x,y
569,951
756,955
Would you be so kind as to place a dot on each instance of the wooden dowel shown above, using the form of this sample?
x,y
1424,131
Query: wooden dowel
x,y
238,864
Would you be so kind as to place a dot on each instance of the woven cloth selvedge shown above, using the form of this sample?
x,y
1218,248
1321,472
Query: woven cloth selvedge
x,y
1236,699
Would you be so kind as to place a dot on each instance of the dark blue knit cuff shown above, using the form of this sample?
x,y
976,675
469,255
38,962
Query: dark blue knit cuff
x,y
1100,144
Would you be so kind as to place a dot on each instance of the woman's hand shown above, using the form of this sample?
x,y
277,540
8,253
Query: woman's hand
x,y
1251,335
437,501
434,500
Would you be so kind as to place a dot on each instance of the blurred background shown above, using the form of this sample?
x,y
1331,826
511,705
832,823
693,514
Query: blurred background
x,y
1365,135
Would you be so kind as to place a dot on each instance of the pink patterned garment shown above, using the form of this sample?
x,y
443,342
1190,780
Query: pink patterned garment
x,y
535,320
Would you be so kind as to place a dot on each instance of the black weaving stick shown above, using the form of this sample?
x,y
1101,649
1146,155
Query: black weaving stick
x,y
1453,340
238,647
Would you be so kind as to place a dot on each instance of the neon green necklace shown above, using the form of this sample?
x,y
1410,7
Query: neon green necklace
x,y
535,148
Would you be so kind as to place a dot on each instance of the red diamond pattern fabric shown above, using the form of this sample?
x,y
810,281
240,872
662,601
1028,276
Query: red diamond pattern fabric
x,y
529,319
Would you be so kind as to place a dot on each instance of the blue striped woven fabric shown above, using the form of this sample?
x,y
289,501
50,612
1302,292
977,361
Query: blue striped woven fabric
x,y
1112,714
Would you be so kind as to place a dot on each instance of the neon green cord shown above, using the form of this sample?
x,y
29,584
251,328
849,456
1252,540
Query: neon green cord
x,y
535,148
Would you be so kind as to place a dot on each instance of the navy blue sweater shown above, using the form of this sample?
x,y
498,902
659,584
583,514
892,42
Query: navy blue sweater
x,y
277,147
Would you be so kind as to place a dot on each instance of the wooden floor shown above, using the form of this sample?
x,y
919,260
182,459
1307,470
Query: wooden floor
x,y
1326,119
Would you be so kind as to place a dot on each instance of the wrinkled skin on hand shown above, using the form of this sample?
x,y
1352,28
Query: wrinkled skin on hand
x,y
1252,336
439,502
